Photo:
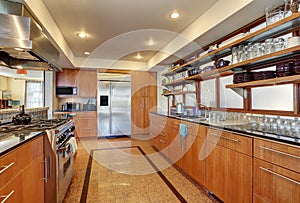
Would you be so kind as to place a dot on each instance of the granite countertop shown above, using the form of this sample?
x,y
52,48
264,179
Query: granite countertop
x,y
2,111
11,141
239,127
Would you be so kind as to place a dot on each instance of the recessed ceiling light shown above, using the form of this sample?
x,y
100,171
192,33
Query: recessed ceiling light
x,y
174,15
138,56
19,67
151,42
82,35
87,53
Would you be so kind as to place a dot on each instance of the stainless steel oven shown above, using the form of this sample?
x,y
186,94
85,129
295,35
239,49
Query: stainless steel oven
x,y
65,170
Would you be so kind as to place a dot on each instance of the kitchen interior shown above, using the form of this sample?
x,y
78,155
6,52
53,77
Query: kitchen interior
x,y
99,104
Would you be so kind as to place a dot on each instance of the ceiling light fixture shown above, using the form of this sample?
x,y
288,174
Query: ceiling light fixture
x,y
87,53
82,35
151,42
174,15
138,56
19,67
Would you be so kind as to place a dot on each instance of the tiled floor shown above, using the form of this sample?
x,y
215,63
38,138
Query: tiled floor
x,y
128,171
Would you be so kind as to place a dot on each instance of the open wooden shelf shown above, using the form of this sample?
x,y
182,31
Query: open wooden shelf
x,y
282,26
179,93
293,51
267,82
179,82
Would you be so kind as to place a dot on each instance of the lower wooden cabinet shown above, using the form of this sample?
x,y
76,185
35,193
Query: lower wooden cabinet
x,y
234,167
27,183
275,184
228,174
86,124
12,192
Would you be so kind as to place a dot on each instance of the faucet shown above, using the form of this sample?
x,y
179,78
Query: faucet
x,y
207,110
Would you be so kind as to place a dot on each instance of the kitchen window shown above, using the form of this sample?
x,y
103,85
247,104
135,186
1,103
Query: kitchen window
x,y
34,94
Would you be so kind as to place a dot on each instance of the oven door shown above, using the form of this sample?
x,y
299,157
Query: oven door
x,y
65,170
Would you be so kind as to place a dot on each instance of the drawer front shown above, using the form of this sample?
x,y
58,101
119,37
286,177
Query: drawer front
x,y
275,184
192,128
87,114
280,154
13,191
174,123
229,140
14,161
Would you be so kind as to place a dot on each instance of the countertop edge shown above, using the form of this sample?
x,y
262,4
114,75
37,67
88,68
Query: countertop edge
x,y
8,150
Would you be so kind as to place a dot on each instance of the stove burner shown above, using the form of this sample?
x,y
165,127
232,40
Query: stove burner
x,y
37,125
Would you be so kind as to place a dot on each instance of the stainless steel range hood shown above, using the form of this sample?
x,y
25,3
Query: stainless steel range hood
x,y
22,40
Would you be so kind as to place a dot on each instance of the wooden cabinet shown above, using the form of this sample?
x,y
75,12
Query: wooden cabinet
x,y
276,172
87,83
22,173
143,101
194,159
86,124
84,80
275,184
228,172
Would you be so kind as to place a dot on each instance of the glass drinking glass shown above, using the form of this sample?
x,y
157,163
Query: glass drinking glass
x,y
234,55
269,46
274,13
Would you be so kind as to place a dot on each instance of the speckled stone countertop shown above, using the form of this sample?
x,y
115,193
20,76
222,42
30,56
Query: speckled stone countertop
x,y
12,141
5,111
241,129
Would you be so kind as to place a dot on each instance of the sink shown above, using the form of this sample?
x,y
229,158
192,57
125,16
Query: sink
x,y
195,119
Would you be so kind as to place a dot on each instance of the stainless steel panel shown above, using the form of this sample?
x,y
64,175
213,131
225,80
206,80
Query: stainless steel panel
x,y
114,119
103,111
121,108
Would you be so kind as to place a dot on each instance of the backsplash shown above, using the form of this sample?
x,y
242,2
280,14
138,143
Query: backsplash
x,y
6,115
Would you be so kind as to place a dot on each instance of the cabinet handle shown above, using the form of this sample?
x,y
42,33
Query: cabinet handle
x,y
7,196
226,138
6,167
45,170
279,152
279,175
162,141
163,134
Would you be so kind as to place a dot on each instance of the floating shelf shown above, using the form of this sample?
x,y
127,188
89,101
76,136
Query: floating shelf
x,y
293,51
179,93
267,82
179,82
282,26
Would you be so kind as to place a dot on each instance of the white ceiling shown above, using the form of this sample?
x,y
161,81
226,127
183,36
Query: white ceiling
x,y
103,20
118,29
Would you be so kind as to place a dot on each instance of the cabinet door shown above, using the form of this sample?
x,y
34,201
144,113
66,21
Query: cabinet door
x,y
175,149
87,83
67,77
33,190
137,115
150,106
275,184
86,124
12,192
228,174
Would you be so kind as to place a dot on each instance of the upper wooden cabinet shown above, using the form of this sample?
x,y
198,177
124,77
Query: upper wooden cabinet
x,y
67,77
84,80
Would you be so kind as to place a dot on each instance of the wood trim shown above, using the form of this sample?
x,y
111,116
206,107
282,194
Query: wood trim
x,y
103,70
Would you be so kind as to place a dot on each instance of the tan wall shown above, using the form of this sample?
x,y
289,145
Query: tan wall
x,y
3,85
17,88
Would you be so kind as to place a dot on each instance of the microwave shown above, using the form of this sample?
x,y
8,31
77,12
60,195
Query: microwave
x,y
66,90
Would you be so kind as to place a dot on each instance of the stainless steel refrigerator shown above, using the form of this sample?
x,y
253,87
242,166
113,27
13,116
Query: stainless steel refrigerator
x,y
114,108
